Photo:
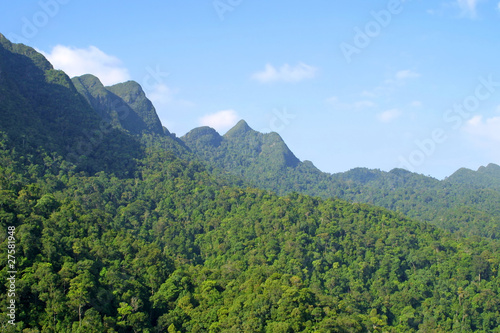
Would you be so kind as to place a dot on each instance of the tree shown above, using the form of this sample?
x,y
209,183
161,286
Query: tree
x,y
79,292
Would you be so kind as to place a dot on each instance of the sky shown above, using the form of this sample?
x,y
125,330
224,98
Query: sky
x,y
379,84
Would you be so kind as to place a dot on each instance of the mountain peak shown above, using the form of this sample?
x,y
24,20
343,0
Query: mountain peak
x,y
240,129
203,135
486,177
130,89
20,49
493,167
132,93
88,81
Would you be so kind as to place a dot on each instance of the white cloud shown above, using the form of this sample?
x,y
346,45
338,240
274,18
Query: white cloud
x,y
486,132
389,115
75,62
468,7
335,101
498,6
407,74
286,73
416,104
220,121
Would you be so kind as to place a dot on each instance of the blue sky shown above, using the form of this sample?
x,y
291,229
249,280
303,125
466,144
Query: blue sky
x,y
378,84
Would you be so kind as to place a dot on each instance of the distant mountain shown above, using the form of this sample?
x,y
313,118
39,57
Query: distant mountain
x,y
449,204
264,152
484,177
263,159
131,92
467,201
124,105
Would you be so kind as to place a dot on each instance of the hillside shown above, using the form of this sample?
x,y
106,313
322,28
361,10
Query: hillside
x,y
181,250
170,245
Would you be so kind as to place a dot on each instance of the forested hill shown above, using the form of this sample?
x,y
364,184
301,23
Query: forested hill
x,y
451,204
178,250
466,202
243,150
484,177
164,244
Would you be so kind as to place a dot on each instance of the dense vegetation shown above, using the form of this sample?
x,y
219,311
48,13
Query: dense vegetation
x,y
151,240
177,249
450,204
466,202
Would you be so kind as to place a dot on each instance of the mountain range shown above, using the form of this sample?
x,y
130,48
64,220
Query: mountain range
x,y
467,201
120,226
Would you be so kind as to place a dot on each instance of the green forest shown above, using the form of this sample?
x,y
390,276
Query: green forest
x,y
129,229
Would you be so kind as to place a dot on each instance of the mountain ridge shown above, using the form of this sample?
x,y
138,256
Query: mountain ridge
x,y
124,105
41,110
242,127
256,146
266,162
485,176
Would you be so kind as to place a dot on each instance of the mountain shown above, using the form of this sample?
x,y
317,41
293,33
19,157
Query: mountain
x,y
262,159
450,204
484,177
124,105
42,111
466,202
131,92
254,148
31,96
